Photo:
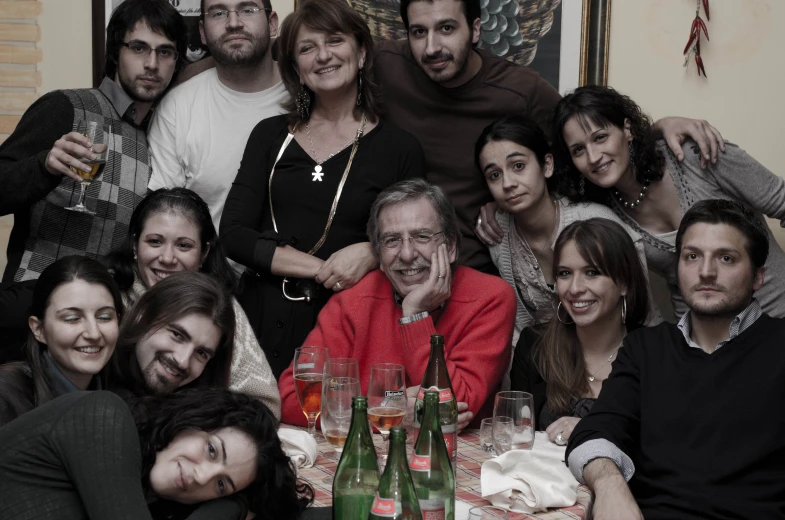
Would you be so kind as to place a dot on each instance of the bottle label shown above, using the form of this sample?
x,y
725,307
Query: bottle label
x,y
420,462
384,507
395,395
445,394
433,509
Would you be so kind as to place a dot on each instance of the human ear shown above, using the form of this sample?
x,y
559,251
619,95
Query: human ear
x,y
37,328
547,166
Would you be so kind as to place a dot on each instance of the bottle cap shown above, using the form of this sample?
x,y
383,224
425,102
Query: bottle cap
x,y
437,338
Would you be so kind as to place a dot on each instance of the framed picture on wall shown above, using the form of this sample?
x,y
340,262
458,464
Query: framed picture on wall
x,y
566,41
102,11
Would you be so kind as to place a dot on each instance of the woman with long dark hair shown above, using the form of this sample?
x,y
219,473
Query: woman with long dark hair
x,y
171,231
74,320
603,294
92,455
296,214
606,151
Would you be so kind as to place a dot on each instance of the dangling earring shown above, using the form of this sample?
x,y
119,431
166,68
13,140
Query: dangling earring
x,y
624,309
558,317
631,145
303,102
582,186
360,88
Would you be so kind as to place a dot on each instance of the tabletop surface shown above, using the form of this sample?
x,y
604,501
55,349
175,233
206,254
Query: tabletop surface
x,y
470,460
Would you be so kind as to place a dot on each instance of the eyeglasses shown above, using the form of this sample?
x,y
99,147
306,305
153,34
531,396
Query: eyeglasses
x,y
394,242
142,49
221,15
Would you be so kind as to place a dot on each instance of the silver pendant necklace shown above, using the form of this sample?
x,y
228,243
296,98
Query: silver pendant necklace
x,y
317,172
592,375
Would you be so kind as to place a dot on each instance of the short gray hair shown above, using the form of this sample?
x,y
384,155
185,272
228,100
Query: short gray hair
x,y
413,190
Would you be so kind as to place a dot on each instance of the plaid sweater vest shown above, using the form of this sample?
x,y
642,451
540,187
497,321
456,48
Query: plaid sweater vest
x,y
56,232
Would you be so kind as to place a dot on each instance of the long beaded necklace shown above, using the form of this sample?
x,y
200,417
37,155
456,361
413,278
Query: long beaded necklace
x,y
317,170
593,374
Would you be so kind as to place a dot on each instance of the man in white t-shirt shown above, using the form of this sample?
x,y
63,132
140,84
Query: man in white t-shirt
x,y
199,131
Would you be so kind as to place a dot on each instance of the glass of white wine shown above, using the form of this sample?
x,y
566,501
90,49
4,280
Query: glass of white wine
x,y
99,135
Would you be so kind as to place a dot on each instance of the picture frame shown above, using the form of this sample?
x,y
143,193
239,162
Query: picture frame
x,y
102,11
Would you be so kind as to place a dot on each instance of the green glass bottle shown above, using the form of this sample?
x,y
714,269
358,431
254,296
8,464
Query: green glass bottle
x,y
431,467
437,378
396,498
357,476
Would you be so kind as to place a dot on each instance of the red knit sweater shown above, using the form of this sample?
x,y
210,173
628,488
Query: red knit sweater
x,y
362,323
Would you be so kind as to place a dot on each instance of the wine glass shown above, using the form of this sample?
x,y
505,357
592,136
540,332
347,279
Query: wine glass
x,y
99,135
308,372
386,399
518,406
487,513
337,393
342,367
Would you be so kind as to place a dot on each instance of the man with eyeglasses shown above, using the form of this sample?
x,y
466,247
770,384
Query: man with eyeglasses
x,y
390,315
200,129
145,45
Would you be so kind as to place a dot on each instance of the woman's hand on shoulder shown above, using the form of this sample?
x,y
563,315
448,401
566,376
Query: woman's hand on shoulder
x,y
564,425
676,129
346,267
486,227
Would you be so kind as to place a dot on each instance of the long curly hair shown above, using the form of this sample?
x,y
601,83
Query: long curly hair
x,y
603,106
159,419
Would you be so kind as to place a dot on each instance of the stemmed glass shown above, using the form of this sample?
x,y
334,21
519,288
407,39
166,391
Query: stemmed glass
x,y
99,135
386,399
518,406
341,383
308,375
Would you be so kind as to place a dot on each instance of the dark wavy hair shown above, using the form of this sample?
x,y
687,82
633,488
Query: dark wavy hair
x,y
606,245
329,16
159,16
603,106
520,130
174,297
471,9
179,201
60,272
275,492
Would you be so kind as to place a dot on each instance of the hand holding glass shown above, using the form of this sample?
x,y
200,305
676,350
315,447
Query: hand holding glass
x,y
99,136
308,370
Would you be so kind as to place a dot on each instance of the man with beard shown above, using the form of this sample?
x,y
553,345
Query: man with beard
x,y
390,315
145,45
441,88
200,130
689,413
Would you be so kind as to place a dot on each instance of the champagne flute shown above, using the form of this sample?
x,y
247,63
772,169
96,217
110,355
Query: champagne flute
x,y
386,399
99,135
308,372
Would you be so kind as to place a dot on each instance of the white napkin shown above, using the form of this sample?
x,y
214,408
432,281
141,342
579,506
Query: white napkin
x,y
299,446
528,481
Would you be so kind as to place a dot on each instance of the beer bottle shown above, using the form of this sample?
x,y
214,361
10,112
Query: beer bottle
x,y
357,476
431,467
396,498
437,379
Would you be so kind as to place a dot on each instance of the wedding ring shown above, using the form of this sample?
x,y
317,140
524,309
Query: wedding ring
x,y
441,276
560,440
479,221
337,286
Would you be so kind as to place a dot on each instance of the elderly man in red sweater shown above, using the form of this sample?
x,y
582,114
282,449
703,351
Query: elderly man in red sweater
x,y
418,291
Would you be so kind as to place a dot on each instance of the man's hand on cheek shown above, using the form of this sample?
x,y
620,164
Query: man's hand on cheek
x,y
436,289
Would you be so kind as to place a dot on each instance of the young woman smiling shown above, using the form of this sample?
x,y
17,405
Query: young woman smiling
x,y
603,293
514,157
606,151
73,323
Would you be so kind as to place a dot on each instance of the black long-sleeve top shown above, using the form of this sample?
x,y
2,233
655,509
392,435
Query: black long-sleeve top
x,y
705,432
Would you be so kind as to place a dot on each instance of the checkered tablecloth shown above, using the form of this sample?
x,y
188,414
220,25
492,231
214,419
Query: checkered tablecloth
x,y
470,459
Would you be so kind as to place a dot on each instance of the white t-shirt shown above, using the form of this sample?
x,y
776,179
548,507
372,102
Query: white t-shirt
x,y
198,135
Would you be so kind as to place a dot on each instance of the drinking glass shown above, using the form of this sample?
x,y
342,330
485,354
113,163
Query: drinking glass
x,y
308,372
99,135
486,436
487,513
386,399
342,367
518,406
336,417
503,429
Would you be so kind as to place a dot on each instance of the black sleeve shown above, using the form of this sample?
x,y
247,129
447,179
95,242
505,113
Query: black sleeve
x,y
241,222
524,375
615,415
229,508
413,160
23,176
98,445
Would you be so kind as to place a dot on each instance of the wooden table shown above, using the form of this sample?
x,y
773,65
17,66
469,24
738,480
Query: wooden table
x,y
468,494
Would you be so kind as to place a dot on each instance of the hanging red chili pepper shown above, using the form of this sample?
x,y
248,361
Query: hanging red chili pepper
x,y
694,42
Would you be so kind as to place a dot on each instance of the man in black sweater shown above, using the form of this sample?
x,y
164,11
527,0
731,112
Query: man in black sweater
x,y
689,416
144,40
